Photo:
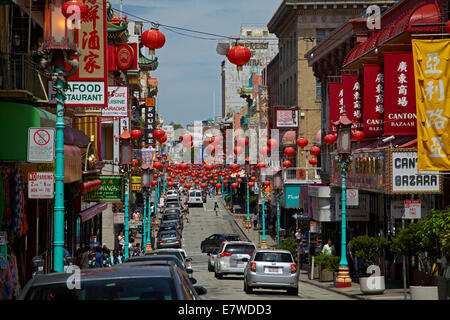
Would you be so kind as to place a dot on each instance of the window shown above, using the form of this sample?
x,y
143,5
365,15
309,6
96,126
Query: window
x,y
273,257
318,90
239,249
320,35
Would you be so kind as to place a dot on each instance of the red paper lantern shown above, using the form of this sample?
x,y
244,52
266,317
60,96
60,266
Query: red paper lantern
x,y
268,200
158,133
315,150
218,185
154,183
135,134
135,162
234,185
253,178
302,142
225,182
289,151
266,183
162,139
234,166
239,55
261,165
287,164
157,165
203,185
447,27
357,135
170,184
251,184
153,39
239,180
264,151
330,139
69,9
209,167
188,185
211,148
313,161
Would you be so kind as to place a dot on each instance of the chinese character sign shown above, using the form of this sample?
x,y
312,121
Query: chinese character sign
x,y
373,101
336,99
431,69
353,92
150,123
400,97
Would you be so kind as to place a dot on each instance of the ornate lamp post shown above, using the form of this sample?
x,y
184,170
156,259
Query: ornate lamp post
x,y
248,223
278,185
58,45
125,163
344,149
145,184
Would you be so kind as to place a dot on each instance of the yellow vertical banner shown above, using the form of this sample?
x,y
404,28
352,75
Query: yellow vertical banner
x,y
431,71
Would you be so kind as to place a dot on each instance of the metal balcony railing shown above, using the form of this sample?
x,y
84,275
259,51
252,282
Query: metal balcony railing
x,y
301,174
20,77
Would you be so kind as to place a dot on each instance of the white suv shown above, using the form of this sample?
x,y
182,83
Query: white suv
x,y
233,257
195,197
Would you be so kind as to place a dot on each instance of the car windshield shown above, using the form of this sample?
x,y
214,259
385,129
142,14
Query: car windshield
x,y
168,235
173,253
198,194
273,257
239,249
160,288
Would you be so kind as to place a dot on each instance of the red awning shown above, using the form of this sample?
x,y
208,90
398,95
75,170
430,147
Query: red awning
x,y
92,211
421,14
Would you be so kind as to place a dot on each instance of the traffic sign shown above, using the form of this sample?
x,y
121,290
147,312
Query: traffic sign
x,y
299,217
412,209
41,185
41,145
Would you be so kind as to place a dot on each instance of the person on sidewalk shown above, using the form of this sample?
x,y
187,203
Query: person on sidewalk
x,y
328,248
298,235
255,220
216,208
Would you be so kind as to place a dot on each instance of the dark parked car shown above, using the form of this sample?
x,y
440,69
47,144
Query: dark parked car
x,y
175,252
168,239
172,217
157,257
165,227
155,282
214,241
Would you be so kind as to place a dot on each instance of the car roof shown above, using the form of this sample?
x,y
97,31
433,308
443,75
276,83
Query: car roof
x,y
272,250
104,274
168,231
151,257
239,242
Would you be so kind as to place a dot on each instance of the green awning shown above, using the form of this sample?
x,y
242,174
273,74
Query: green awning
x,y
16,118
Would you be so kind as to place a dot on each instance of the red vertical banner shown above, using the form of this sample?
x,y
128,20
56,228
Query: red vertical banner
x,y
353,95
336,102
400,103
373,101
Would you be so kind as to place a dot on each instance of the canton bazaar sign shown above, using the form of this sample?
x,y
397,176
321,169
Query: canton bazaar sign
x,y
405,178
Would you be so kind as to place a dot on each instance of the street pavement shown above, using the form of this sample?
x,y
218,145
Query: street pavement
x,y
203,223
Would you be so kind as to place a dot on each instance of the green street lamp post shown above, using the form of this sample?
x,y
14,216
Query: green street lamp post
x,y
58,44
344,146
145,184
125,163
277,185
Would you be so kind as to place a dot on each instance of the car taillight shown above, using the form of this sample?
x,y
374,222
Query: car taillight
x,y
253,267
293,268
223,240
212,257
225,254
178,239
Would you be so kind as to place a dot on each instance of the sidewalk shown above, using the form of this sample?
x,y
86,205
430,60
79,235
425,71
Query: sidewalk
x,y
351,292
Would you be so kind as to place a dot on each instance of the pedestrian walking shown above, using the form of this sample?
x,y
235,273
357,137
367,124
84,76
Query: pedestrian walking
x,y
98,257
216,208
328,248
255,220
186,212
84,261
301,254
351,259
298,235
121,239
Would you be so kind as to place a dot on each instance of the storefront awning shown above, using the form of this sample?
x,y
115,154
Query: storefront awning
x,y
92,211
75,137
72,164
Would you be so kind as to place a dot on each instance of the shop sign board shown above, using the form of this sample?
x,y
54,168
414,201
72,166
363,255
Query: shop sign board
x,y
80,93
111,190
286,118
41,145
136,183
404,175
398,208
412,209
292,196
359,213
41,185
117,102
119,218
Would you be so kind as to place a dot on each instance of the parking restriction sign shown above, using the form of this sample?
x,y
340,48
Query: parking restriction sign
x,y
41,145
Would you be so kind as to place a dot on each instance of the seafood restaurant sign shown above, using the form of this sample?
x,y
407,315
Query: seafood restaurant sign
x,y
87,87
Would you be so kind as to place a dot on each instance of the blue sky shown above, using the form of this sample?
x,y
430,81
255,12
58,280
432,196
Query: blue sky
x,y
189,69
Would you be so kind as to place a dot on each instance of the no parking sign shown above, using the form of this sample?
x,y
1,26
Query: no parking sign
x,y
41,145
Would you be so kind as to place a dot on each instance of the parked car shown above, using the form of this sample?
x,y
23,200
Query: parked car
x,y
156,282
171,251
172,217
187,260
175,205
169,239
233,257
166,226
171,198
214,241
172,193
159,257
195,198
273,269
212,257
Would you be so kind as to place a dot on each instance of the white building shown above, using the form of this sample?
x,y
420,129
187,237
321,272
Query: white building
x,y
264,47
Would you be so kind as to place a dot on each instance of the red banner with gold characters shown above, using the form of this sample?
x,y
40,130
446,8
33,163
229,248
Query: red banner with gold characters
x,y
92,64
336,100
373,101
353,97
400,97
431,71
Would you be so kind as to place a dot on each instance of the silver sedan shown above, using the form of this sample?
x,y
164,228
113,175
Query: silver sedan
x,y
272,269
